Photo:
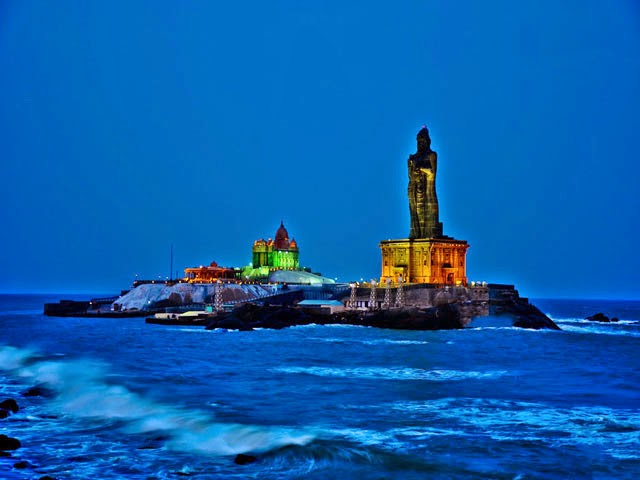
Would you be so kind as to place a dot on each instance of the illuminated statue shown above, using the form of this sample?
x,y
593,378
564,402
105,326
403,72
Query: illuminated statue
x,y
423,201
427,256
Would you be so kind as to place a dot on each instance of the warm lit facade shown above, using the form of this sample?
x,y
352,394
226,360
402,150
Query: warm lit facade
x,y
427,256
425,260
278,254
210,274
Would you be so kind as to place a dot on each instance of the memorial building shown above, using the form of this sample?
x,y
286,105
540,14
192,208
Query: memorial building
x,y
277,254
427,256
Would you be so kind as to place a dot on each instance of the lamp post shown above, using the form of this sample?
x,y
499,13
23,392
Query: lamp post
x,y
352,298
372,296
217,302
387,294
399,293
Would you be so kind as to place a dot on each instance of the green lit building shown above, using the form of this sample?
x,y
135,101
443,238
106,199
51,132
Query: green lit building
x,y
278,254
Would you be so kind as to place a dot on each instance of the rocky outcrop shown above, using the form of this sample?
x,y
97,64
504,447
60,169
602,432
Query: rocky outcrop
x,y
445,317
249,316
7,407
528,316
9,443
65,308
37,391
505,300
601,317
9,404
243,459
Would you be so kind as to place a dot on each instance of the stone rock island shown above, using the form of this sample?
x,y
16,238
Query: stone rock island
x,y
423,283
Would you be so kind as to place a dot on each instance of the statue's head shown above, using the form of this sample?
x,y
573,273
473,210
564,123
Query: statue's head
x,y
424,141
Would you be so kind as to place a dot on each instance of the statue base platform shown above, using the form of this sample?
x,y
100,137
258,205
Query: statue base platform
x,y
440,260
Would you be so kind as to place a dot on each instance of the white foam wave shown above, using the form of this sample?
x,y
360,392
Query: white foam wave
x,y
190,329
366,437
386,373
517,329
591,322
599,330
616,429
81,390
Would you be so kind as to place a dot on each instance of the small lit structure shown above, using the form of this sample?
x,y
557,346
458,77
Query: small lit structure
x,y
210,274
322,306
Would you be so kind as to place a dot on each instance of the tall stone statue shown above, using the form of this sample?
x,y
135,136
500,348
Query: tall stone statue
x,y
423,201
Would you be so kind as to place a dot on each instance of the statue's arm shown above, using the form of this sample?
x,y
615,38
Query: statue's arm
x,y
430,168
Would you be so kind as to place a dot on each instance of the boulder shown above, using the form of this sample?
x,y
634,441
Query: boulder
x,y
37,391
21,464
243,459
598,317
9,404
535,323
8,443
231,323
529,316
3,413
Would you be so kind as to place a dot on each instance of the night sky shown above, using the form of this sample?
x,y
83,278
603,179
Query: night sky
x,y
130,126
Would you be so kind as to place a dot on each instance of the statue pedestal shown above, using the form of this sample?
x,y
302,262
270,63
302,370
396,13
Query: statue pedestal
x,y
441,261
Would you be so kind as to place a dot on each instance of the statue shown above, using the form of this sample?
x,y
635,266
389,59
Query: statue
x,y
423,201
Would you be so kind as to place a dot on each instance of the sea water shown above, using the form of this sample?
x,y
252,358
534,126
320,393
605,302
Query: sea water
x,y
124,399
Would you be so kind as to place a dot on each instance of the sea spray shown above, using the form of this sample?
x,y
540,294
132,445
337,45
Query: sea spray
x,y
81,390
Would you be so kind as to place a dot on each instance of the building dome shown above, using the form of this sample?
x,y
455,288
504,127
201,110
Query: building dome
x,y
282,238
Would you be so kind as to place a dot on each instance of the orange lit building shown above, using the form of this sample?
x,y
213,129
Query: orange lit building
x,y
425,260
210,274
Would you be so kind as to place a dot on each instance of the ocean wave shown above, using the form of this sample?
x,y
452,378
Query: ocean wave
x,y
591,322
81,391
600,329
517,329
11,313
616,430
190,329
386,373
380,341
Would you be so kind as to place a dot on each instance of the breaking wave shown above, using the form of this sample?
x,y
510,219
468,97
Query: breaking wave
x,y
81,390
628,328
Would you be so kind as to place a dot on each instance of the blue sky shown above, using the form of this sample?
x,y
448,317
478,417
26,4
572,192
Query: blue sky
x,y
130,126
